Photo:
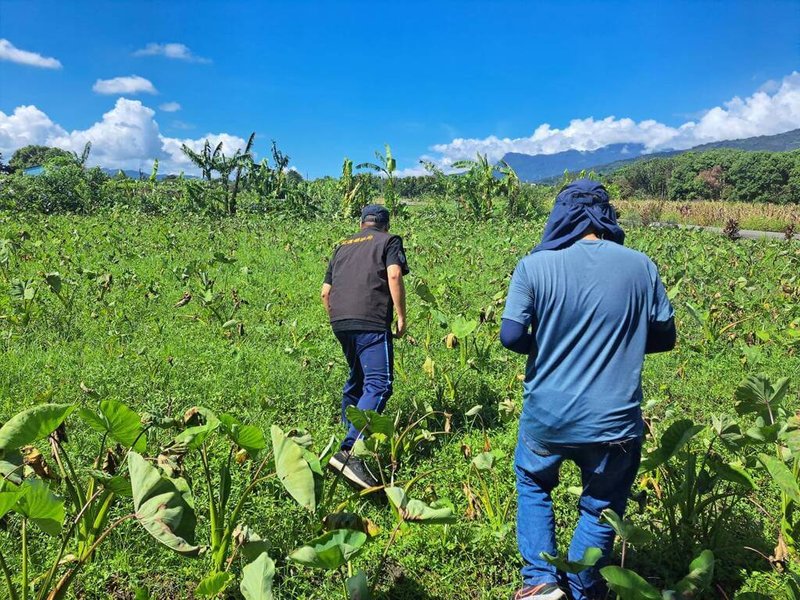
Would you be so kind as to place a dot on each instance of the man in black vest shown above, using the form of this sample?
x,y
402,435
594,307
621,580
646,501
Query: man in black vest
x,y
363,285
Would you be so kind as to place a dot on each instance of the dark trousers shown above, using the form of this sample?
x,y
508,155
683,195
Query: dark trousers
x,y
370,356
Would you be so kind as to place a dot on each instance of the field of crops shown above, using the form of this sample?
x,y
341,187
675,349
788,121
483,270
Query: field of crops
x,y
163,314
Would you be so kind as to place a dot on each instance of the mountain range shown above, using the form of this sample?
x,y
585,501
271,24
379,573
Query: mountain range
x,y
539,167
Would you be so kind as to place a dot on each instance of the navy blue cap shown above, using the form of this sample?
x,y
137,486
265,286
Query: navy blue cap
x,y
378,213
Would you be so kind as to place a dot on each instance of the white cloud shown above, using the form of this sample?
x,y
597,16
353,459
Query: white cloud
x,y
171,50
13,54
774,108
132,84
127,137
26,125
170,107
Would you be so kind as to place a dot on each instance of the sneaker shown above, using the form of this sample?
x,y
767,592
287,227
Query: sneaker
x,y
354,470
542,591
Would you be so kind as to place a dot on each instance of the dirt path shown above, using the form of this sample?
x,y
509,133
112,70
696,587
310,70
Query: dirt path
x,y
749,234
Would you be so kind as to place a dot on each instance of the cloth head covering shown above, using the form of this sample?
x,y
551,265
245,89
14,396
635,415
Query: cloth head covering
x,y
580,205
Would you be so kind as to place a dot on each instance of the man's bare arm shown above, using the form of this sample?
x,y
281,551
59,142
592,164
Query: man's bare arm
x,y
398,292
326,297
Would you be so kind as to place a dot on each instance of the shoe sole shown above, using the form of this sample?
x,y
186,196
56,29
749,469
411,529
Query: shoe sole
x,y
348,474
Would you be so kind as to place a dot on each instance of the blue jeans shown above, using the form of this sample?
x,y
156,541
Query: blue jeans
x,y
607,472
370,356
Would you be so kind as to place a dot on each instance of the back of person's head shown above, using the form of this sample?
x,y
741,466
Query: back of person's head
x,y
375,215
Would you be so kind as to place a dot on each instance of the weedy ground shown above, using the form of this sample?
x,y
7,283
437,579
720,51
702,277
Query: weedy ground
x,y
253,341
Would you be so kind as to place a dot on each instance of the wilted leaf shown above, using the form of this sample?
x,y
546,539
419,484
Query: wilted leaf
x,y
331,550
590,557
293,469
163,506
416,511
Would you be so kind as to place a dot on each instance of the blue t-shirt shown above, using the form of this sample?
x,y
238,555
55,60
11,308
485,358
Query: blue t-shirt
x,y
590,306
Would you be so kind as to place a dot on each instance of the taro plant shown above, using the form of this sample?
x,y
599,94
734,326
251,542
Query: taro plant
x,y
777,427
629,585
27,489
694,482
388,441
486,494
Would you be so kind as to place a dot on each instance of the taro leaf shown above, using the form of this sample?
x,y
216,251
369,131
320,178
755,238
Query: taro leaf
x,y
733,472
331,550
416,511
345,520
117,420
673,439
11,466
757,392
163,506
590,557
53,281
33,424
358,586
370,421
629,585
627,531
257,578
424,292
701,572
248,437
8,499
782,476
40,505
483,461
115,483
474,410
213,585
191,438
462,327
727,430
765,434
293,470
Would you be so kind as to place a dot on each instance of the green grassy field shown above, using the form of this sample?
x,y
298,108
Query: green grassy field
x,y
122,337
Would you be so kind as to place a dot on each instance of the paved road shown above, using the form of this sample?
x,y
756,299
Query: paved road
x,y
749,234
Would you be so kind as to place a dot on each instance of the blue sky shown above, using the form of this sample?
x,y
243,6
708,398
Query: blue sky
x,y
333,79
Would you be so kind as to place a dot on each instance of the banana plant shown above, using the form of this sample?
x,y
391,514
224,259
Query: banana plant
x,y
387,165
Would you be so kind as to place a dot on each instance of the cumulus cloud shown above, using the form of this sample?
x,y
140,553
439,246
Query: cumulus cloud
x,y
774,108
170,107
132,84
127,137
171,50
13,54
26,125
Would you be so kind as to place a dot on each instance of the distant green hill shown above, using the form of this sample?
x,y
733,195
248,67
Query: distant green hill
x,y
546,168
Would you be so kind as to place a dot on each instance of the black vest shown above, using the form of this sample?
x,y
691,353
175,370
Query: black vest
x,y
360,286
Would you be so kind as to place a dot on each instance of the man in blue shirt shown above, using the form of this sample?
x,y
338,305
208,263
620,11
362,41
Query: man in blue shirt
x,y
585,310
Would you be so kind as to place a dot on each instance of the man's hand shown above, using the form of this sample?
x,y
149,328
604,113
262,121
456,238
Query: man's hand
x,y
400,328
398,292
325,295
